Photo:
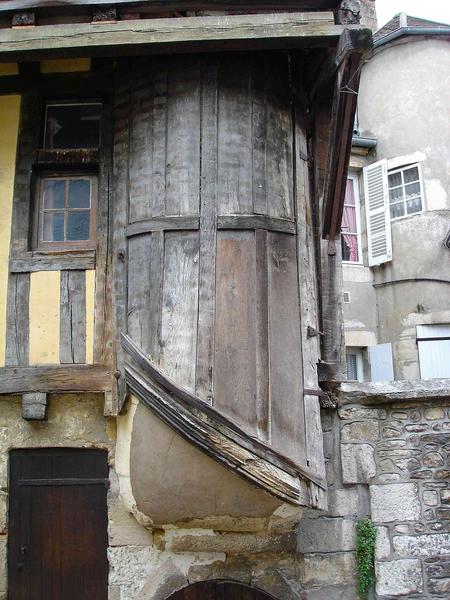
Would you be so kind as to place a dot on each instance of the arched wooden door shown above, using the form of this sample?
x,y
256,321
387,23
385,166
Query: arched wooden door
x,y
219,590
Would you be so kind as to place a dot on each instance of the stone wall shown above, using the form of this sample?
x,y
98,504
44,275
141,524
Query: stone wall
x,y
388,457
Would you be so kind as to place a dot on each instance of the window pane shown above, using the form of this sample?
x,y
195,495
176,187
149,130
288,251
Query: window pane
x,y
78,225
352,368
53,227
413,206
349,244
72,126
395,179
79,193
53,192
413,189
411,174
349,193
397,210
395,195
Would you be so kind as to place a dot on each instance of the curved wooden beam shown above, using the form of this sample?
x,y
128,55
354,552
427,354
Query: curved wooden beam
x,y
215,434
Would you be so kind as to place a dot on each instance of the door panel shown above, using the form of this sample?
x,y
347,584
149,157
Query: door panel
x,y
58,525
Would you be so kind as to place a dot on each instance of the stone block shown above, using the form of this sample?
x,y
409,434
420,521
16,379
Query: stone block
x,y
395,502
124,530
430,498
433,414
343,502
445,496
358,463
326,535
433,459
3,565
416,427
429,545
439,586
347,413
328,569
360,431
382,544
399,577
333,592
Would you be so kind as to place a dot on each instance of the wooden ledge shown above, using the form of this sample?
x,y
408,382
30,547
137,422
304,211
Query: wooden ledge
x,y
55,379
193,34
215,434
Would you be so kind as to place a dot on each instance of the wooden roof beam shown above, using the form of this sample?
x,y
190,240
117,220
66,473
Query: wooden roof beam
x,y
189,34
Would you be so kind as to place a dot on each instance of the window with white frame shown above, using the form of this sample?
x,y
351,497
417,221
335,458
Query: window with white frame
x,y
350,228
405,191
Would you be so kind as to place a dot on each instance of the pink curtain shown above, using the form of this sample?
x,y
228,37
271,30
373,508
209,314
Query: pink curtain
x,y
349,223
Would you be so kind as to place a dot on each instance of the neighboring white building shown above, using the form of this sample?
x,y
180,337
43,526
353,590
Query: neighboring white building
x,y
396,222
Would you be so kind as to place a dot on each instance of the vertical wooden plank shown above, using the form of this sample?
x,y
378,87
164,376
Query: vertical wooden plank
x,y
262,337
235,350
180,307
159,140
141,148
183,137
72,327
138,311
155,301
119,222
18,324
286,381
279,141
235,137
44,317
259,138
307,275
90,315
207,264
9,117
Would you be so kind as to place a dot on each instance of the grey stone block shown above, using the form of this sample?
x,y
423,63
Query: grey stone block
x,y
360,431
429,545
395,502
326,569
399,577
358,463
382,544
326,535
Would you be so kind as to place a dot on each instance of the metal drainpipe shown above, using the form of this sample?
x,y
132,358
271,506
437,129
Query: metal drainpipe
x,y
411,31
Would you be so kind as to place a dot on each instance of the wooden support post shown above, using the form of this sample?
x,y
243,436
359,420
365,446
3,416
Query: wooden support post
x,y
34,406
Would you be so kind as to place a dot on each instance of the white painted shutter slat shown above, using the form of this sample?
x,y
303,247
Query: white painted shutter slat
x,y
381,363
377,213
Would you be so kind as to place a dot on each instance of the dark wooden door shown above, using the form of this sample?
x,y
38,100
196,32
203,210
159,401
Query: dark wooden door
x,y
219,590
58,525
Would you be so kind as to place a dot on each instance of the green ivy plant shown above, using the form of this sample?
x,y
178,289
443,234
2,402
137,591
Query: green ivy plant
x,y
366,534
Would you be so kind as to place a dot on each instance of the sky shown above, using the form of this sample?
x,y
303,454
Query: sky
x,y
434,10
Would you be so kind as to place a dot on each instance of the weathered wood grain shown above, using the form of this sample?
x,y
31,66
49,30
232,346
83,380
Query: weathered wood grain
x,y
280,30
138,310
235,349
18,322
34,406
159,140
61,262
72,326
180,307
207,256
262,336
259,139
66,378
307,275
169,223
287,422
156,292
255,222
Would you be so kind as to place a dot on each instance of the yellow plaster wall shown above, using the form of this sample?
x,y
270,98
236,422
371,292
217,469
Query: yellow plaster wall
x,y
9,69
44,317
90,307
9,119
65,65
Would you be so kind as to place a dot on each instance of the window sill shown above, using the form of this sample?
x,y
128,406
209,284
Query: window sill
x,y
53,260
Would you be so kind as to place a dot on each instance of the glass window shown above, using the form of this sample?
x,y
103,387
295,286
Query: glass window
x,y
350,229
70,126
405,193
66,211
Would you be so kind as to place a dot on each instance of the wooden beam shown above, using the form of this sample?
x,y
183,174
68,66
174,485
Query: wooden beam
x,y
59,262
176,5
351,50
55,378
77,84
255,222
286,30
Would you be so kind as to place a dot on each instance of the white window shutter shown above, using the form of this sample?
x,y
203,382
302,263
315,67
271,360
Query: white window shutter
x,y
377,213
381,364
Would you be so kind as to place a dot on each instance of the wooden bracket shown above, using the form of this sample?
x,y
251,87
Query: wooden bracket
x,y
24,19
34,406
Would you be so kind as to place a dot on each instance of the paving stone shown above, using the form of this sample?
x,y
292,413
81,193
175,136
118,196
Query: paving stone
x,y
360,431
358,463
395,502
399,577
428,545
